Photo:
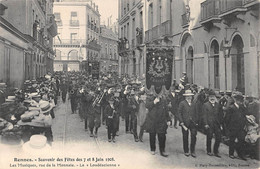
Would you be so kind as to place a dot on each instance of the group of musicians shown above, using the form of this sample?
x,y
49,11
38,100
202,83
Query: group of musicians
x,y
105,101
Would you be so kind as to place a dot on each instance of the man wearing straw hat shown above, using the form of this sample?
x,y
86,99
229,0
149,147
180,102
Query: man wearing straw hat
x,y
189,122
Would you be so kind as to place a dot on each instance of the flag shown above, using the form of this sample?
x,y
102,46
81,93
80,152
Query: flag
x,y
159,69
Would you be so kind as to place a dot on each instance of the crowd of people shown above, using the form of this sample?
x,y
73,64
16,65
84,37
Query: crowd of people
x,y
227,116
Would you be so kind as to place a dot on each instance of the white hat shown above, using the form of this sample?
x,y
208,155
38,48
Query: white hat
x,y
45,106
37,144
188,93
10,99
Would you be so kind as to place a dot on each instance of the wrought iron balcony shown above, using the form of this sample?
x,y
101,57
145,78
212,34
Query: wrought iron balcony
x,y
155,32
74,22
210,9
165,28
229,5
248,3
70,41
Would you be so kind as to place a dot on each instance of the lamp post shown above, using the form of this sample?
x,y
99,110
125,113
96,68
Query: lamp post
x,y
226,49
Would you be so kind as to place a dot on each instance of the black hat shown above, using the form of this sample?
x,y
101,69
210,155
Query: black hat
x,y
211,92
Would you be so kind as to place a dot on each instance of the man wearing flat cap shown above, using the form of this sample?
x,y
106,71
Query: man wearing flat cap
x,y
236,122
212,119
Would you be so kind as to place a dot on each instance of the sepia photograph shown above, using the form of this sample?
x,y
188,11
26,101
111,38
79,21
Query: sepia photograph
x,y
129,84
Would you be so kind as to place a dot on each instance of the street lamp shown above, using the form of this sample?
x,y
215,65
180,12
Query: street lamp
x,y
226,49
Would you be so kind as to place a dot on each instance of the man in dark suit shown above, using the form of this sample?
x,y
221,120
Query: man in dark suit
x,y
133,105
174,105
111,112
236,122
157,122
189,122
212,119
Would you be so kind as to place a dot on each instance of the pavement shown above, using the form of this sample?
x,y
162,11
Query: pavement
x,y
74,148
130,154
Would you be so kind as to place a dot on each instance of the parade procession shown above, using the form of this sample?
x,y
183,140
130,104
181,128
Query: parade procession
x,y
129,84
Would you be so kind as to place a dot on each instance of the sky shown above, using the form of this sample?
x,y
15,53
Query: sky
x,y
107,8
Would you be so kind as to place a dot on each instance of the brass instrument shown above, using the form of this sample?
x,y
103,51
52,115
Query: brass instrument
x,y
72,92
98,99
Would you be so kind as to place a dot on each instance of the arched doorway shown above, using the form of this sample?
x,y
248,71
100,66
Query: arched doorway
x,y
189,64
237,62
214,65
185,62
73,55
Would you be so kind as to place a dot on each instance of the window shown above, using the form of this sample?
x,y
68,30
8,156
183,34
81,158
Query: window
x,y
73,37
74,15
57,16
160,12
127,30
141,19
74,19
151,16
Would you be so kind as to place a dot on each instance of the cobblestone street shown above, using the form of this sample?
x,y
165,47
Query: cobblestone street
x,y
126,152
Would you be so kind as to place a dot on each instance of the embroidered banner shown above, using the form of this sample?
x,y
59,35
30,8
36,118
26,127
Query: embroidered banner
x,y
159,69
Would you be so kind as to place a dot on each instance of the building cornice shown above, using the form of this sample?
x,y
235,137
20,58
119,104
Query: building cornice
x,y
9,27
76,4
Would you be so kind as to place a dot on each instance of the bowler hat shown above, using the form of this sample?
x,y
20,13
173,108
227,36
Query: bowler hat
x,y
237,95
211,92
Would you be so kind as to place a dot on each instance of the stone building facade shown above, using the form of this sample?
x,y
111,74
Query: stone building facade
x,y
28,30
77,43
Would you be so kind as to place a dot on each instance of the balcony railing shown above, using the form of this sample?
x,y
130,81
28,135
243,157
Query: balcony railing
x,y
185,19
70,42
74,22
228,5
210,9
245,2
155,32
165,28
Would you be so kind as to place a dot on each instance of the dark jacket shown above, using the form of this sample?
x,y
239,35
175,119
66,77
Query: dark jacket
x,y
110,113
157,117
187,114
174,103
133,105
212,115
236,118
